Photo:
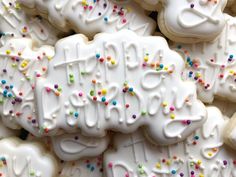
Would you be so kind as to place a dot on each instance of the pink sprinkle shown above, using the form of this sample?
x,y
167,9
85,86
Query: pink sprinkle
x,y
90,7
80,94
127,174
48,89
110,165
184,121
172,108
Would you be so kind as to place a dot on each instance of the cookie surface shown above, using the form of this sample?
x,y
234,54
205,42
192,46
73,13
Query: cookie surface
x,y
202,154
20,159
91,17
118,82
212,65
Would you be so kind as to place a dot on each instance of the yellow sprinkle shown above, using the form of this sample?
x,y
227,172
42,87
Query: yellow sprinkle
x,y
209,154
168,162
8,52
201,175
199,162
198,74
18,6
172,116
158,165
49,58
146,58
231,71
166,68
104,91
113,62
164,104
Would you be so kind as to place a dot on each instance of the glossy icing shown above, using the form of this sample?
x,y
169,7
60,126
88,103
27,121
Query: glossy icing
x,y
201,155
90,17
192,21
14,23
97,90
89,167
20,159
20,63
212,65
70,147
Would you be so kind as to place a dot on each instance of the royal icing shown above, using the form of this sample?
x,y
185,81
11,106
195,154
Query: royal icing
x,y
14,23
192,21
89,167
90,17
20,63
20,159
118,82
201,155
212,65
70,147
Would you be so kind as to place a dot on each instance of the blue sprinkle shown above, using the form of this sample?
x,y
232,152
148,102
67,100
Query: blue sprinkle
x,y
3,82
103,99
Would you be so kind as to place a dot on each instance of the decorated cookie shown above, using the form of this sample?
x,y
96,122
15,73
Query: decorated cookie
x,y
89,167
20,63
70,147
201,155
118,82
230,132
192,21
90,17
21,159
14,23
6,132
212,65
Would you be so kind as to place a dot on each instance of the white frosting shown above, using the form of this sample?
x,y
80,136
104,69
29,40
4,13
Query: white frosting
x,y
18,159
6,132
185,20
20,63
201,155
14,23
70,147
90,17
213,64
89,167
97,90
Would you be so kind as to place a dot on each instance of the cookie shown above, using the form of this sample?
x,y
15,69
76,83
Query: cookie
x,y
90,17
89,167
15,23
212,65
21,159
20,63
71,147
230,132
201,155
118,82
191,21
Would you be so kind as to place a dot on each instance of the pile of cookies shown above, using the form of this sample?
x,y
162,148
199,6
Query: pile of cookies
x,y
118,88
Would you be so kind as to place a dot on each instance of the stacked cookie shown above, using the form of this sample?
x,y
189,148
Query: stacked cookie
x,y
104,88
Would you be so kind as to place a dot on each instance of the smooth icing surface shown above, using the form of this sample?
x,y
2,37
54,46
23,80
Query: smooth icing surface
x,y
212,65
192,21
89,167
118,82
6,132
90,17
70,147
20,63
201,155
19,159
14,23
